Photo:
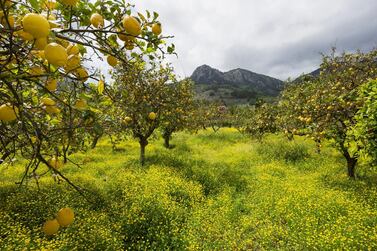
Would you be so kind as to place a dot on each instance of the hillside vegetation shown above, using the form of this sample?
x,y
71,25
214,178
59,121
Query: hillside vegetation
x,y
212,191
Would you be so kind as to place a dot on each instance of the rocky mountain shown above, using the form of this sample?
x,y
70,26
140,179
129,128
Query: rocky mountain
x,y
234,86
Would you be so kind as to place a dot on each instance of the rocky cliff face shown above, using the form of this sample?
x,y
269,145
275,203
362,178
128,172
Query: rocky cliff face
x,y
262,84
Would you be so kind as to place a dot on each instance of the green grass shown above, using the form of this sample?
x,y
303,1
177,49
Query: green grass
x,y
213,191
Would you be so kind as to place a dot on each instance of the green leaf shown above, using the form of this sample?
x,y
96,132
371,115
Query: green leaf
x,y
34,4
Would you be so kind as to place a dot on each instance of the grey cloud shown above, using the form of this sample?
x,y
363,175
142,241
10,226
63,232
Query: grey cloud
x,y
280,38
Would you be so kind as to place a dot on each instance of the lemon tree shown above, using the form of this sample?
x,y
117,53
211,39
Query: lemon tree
x,y
326,106
47,109
142,99
262,120
179,116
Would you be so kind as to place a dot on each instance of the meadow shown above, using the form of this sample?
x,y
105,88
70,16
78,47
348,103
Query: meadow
x,y
212,191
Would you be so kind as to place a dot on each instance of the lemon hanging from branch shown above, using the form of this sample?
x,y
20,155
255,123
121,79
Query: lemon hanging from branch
x,y
97,20
8,113
111,60
56,54
36,25
156,29
132,26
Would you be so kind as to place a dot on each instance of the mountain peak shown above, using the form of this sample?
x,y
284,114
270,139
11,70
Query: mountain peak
x,y
206,74
266,85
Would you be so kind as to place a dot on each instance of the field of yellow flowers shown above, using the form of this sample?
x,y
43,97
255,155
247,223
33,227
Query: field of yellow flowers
x,y
213,191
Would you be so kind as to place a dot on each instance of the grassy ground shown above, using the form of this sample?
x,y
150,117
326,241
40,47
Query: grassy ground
x,y
213,191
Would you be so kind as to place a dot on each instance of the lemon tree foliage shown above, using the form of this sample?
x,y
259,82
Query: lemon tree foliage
x,y
45,95
240,117
144,99
209,114
365,129
261,120
326,107
180,114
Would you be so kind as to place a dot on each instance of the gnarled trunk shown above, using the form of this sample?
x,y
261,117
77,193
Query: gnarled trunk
x,y
351,163
143,143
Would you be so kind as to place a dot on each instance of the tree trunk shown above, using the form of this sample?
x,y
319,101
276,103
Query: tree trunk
x,y
167,135
351,164
65,153
95,141
167,141
143,143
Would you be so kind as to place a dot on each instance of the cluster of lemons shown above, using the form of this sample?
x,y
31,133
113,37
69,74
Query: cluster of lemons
x,y
64,218
36,27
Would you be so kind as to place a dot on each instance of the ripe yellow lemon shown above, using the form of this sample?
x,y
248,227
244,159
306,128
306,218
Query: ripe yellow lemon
x,y
156,29
51,85
70,2
73,49
112,61
51,227
81,74
73,62
52,109
97,20
81,104
56,54
152,116
131,25
40,43
47,102
65,216
55,163
35,24
7,113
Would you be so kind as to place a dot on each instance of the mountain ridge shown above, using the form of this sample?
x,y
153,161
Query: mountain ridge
x,y
234,86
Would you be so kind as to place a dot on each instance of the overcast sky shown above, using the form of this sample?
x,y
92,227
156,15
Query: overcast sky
x,y
280,38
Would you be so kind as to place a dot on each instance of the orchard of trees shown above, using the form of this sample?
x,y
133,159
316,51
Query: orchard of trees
x,y
52,104
338,106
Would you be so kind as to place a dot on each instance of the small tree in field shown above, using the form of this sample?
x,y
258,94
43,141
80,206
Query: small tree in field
x,y
142,99
291,106
261,120
181,110
211,114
